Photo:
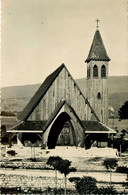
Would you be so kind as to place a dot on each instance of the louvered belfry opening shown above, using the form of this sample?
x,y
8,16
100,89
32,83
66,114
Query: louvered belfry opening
x,y
103,71
95,71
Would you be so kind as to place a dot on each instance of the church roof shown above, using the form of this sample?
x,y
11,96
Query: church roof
x,y
34,126
42,125
30,125
96,127
42,91
97,51
39,94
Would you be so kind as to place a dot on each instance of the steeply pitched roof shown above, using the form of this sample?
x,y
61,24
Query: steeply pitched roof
x,y
39,94
42,125
89,126
30,125
95,126
97,51
42,91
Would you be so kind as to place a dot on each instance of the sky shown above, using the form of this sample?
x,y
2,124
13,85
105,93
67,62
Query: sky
x,y
39,35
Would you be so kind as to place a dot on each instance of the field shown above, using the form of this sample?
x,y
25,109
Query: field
x,y
28,167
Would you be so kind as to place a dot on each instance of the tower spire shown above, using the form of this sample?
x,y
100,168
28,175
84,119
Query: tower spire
x,y
97,51
97,77
97,21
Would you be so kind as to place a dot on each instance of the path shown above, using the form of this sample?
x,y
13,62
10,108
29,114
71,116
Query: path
x,y
102,176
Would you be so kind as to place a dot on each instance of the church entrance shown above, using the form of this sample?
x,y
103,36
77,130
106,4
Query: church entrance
x,y
65,136
62,132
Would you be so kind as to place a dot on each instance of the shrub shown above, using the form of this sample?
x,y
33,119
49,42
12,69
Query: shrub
x,y
122,169
86,185
11,152
13,190
59,191
95,159
107,190
119,141
74,179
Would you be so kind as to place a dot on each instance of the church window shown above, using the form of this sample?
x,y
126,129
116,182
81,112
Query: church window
x,y
88,72
99,95
103,71
95,71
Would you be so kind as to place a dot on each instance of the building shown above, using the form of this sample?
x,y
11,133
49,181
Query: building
x,y
59,114
97,74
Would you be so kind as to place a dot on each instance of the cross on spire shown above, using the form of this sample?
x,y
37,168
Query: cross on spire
x,y
97,21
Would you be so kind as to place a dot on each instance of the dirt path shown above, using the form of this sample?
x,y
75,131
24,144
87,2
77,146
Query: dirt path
x,y
102,176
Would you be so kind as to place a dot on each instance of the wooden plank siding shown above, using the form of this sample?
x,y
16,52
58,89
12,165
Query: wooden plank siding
x,y
63,88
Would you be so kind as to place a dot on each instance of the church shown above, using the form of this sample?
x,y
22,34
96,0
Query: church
x,y
60,115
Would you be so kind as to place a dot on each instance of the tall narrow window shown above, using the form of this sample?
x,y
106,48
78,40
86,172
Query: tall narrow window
x,y
99,95
95,71
88,72
103,71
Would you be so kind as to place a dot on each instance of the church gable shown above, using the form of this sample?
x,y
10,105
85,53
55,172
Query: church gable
x,y
62,88
57,86
39,94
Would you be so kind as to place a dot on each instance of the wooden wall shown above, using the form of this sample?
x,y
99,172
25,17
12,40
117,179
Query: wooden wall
x,y
63,88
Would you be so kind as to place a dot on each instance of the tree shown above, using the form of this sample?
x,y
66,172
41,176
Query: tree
x,y
64,167
119,141
123,111
110,164
86,185
54,161
124,132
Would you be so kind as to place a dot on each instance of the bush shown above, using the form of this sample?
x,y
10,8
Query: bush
x,y
122,169
107,190
13,190
86,185
74,179
119,141
95,159
59,191
11,152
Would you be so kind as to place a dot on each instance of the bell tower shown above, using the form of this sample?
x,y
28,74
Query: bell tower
x,y
97,76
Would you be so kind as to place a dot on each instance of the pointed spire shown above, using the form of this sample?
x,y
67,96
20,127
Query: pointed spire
x,y
97,51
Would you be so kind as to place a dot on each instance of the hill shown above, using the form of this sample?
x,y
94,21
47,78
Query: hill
x,y
15,98
116,84
117,88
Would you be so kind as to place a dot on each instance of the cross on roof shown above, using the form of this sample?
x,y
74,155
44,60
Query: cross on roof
x,y
97,21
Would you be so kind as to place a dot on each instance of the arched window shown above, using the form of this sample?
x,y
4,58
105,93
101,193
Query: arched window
x,y
95,71
99,95
88,72
103,71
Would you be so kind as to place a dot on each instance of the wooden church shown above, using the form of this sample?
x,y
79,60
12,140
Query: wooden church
x,y
59,113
